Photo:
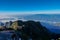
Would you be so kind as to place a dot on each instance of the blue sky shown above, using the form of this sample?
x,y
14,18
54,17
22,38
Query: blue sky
x,y
29,6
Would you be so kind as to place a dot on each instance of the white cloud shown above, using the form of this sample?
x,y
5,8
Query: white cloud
x,y
31,12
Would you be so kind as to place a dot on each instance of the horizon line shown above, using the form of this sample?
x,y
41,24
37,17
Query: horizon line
x,y
29,12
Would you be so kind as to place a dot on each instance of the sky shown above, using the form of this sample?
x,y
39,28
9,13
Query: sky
x,y
29,6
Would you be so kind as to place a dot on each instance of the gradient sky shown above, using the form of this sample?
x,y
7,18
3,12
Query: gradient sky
x,y
29,6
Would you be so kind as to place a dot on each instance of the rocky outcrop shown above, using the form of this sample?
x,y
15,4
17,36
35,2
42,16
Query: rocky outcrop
x,y
32,29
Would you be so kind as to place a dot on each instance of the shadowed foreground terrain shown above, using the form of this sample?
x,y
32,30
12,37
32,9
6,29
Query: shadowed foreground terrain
x,y
30,30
